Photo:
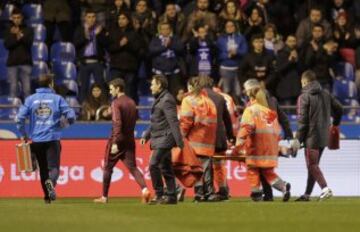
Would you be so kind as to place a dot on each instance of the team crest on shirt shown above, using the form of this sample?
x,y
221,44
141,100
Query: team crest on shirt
x,y
43,111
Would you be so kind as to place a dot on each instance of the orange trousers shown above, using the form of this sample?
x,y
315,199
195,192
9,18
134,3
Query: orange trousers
x,y
253,175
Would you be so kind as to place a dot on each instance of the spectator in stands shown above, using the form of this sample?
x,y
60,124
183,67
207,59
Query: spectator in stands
x,y
259,64
231,46
344,33
124,48
203,53
90,42
262,7
272,40
165,50
201,15
100,8
232,11
288,84
18,40
57,13
319,56
96,100
114,10
255,24
304,30
144,21
337,7
176,19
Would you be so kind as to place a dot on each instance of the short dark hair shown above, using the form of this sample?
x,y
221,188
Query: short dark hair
x,y
319,25
45,80
309,75
90,11
118,83
257,36
16,11
161,79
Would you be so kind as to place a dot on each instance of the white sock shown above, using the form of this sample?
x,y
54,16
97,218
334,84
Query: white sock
x,y
144,190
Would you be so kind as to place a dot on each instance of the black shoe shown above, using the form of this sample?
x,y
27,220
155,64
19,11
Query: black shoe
x,y
51,190
287,194
181,195
222,197
256,196
198,199
155,201
303,198
47,201
265,198
168,200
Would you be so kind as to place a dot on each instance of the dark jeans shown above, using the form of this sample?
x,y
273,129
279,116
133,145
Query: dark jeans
x,y
131,82
205,187
48,156
161,166
64,29
313,157
85,71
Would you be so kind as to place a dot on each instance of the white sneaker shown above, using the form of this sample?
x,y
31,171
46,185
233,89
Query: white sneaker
x,y
101,200
326,194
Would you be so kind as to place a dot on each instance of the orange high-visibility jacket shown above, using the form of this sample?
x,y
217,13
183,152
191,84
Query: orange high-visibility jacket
x,y
259,136
230,104
198,121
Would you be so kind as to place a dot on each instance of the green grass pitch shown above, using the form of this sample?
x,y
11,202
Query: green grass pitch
x,y
128,214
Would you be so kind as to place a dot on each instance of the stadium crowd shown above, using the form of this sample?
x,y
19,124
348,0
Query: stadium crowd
x,y
91,42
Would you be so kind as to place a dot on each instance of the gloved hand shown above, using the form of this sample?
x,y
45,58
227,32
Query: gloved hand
x,y
295,144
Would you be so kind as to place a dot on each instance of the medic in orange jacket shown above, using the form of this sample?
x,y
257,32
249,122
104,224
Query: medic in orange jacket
x,y
258,139
198,121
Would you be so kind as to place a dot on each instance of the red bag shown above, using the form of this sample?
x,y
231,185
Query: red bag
x,y
334,138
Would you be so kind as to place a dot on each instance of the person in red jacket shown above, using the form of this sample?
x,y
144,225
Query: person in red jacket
x,y
121,144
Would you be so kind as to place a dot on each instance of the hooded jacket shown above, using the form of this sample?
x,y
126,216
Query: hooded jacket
x,y
315,107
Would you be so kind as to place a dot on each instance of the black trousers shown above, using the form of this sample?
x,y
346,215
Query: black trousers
x,y
48,156
267,189
161,166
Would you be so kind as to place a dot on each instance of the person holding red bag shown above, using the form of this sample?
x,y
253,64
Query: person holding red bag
x,y
315,108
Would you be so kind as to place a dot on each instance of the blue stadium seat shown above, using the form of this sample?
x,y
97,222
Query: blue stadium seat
x,y
72,86
9,113
3,58
3,71
144,114
33,13
345,70
39,32
64,70
3,51
62,51
74,103
39,68
39,52
146,100
345,89
6,13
